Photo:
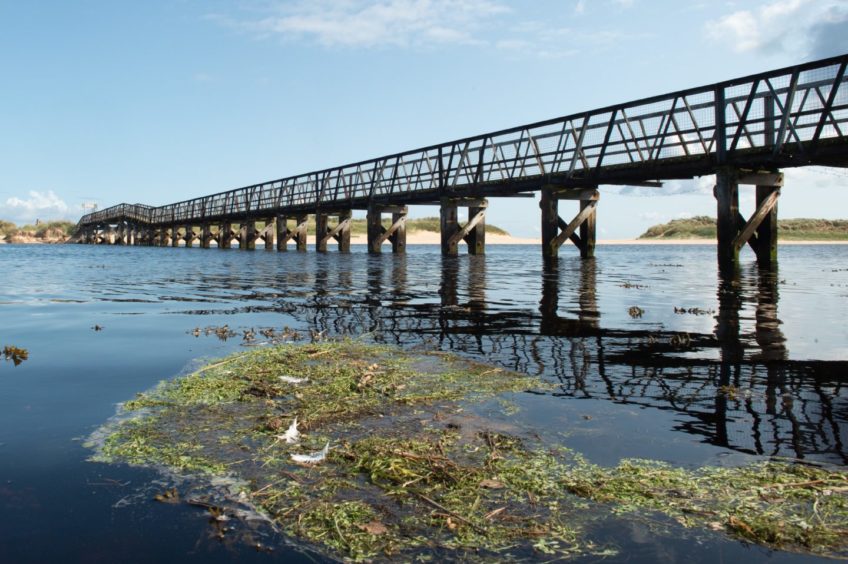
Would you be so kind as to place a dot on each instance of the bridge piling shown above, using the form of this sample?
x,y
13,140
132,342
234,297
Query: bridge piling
x,y
396,233
341,231
189,236
733,231
267,234
247,235
585,220
225,235
473,232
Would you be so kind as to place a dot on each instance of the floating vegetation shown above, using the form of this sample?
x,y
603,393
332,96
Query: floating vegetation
x,y
630,285
15,354
693,311
378,453
635,312
249,336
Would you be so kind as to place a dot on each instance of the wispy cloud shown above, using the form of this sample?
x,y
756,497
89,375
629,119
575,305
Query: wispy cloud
x,y
39,205
379,23
813,27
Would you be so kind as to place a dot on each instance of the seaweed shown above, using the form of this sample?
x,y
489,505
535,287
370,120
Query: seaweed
x,y
409,468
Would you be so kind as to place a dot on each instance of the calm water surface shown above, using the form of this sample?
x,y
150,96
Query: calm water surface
x,y
630,383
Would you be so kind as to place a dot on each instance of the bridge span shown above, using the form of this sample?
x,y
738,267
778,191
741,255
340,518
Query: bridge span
x,y
745,131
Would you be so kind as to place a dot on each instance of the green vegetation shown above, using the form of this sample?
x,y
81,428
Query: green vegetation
x,y
413,467
703,227
6,227
45,230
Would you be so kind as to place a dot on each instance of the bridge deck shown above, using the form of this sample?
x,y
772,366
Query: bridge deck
x,y
789,117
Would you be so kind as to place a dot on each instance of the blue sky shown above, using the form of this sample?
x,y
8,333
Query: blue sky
x,y
109,101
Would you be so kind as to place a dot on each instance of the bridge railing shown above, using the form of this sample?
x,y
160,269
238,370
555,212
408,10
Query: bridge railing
x,y
791,111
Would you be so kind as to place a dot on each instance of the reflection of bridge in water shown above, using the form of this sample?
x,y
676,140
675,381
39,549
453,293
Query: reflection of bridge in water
x,y
734,388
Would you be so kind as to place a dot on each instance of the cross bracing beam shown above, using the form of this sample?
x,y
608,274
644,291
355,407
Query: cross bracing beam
x,y
788,117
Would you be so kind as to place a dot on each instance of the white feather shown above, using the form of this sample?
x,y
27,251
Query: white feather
x,y
313,458
291,436
293,380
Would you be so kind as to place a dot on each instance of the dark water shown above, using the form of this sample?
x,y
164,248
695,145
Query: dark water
x,y
653,386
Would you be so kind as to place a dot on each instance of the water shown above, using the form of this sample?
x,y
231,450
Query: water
x,y
653,384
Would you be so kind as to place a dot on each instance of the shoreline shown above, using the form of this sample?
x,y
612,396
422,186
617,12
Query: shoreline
x,y
433,238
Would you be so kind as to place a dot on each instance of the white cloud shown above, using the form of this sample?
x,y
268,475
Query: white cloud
x,y
39,205
580,7
788,25
378,23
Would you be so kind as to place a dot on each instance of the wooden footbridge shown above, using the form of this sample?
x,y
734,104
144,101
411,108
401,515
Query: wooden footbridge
x,y
744,130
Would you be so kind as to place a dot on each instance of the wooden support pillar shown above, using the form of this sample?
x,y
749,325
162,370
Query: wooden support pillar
x,y
190,236
476,237
175,236
727,216
396,233
225,235
767,230
268,234
760,231
449,227
321,231
588,229
340,232
555,231
300,230
473,232
205,235
247,235
283,234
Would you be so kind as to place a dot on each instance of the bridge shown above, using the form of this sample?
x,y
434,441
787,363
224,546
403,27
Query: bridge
x,y
745,131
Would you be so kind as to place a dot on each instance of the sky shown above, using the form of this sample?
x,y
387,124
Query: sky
x,y
110,101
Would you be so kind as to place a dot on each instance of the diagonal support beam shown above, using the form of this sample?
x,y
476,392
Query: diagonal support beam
x,y
555,231
764,208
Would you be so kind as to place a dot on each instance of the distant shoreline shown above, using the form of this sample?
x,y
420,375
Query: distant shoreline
x,y
433,238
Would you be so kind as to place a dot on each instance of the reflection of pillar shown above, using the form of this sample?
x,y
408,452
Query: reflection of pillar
x,y
399,274
767,331
477,282
727,330
448,286
588,315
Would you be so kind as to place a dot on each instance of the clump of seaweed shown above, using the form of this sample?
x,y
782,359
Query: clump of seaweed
x,y
407,467
15,354
771,503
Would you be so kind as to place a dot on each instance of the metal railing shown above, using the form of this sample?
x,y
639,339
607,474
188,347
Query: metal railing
x,y
788,117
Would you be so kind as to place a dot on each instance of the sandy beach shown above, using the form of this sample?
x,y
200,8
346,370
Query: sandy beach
x,y
432,238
